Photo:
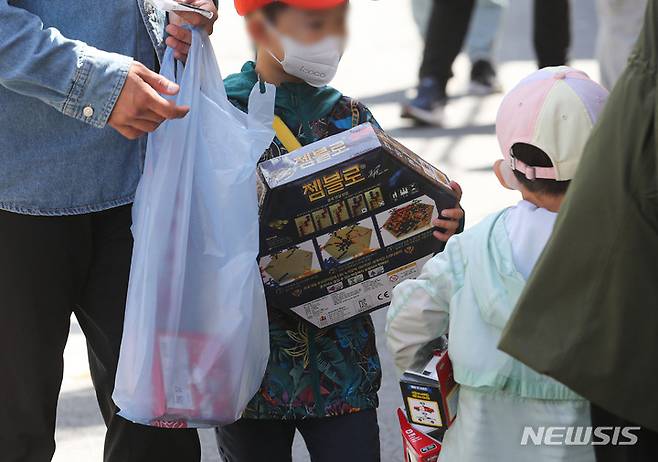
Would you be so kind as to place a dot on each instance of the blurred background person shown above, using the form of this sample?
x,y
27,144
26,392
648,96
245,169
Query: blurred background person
x,y
481,44
481,40
620,22
446,31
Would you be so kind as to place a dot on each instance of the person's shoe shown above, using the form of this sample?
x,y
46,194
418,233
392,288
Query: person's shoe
x,y
483,79
429,104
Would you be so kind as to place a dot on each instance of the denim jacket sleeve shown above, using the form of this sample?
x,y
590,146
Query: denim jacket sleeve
x,y
66,74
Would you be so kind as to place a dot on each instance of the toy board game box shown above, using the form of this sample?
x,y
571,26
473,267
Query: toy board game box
x,y
417,446
343,221
431,394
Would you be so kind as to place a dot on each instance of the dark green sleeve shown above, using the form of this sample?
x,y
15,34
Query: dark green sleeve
x,y
365,115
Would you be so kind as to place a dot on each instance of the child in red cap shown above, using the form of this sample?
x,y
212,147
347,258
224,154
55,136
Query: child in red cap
x,y
322,382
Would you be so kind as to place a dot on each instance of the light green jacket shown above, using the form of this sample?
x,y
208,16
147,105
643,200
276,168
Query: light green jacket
x,y
468,290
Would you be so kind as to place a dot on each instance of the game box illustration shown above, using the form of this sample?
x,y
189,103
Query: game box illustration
x,y
343,221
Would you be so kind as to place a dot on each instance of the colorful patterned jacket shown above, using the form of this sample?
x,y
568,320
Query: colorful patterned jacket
x,y
312,372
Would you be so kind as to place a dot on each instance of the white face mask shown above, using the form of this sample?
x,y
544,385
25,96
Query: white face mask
x,y
316,64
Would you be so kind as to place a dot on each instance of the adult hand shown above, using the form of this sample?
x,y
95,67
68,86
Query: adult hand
x,y
180,38
139,108
451,217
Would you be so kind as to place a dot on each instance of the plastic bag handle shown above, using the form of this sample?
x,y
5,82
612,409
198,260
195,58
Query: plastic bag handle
x,y
211,79
201,77
260,111
168,66
261,103
211,82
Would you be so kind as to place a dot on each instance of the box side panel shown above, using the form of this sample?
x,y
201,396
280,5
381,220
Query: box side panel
x,y
318,156
413,160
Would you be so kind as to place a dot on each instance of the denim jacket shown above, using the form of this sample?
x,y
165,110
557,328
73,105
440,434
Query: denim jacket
x,y
62,67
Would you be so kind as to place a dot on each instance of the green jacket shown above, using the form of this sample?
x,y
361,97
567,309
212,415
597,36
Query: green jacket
x,y
312,372
589,314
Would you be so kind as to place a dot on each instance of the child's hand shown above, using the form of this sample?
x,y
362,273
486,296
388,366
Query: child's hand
x,y
450,217
180,38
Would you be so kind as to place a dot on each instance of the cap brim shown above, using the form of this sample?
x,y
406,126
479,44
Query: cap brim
x,y
245,8
314,4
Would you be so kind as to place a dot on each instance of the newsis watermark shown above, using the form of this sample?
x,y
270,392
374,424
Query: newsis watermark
x,y
579,436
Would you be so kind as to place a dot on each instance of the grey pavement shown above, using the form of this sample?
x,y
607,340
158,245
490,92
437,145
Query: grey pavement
x,y
379,66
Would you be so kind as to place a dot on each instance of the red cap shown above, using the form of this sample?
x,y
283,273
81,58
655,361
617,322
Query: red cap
x,y
247,6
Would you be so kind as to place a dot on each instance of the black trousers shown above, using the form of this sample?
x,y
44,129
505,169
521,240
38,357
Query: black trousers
x,y
348,438
449,23
49,268
646,449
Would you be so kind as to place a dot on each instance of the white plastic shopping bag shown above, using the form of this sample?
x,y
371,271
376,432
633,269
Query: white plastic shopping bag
x,y
196,342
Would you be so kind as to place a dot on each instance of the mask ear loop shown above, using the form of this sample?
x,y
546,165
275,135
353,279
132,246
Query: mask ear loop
x,y
271,29
274,57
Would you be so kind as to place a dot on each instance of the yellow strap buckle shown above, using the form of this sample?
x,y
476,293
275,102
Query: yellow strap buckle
x,y
284,134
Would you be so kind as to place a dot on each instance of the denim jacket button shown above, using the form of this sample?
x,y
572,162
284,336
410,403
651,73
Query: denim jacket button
x,y
88,111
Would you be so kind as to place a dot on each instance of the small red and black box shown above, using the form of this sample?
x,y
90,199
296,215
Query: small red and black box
x,y
431,395
418,447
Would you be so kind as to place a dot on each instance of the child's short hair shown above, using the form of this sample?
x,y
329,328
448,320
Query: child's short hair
x,y
272,10
532,155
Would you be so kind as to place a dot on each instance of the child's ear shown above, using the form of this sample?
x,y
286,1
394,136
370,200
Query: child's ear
x,y
497,168
257,29
499,175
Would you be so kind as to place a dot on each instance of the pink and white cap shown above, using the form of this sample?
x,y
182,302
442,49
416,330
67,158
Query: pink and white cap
x,y
553,109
